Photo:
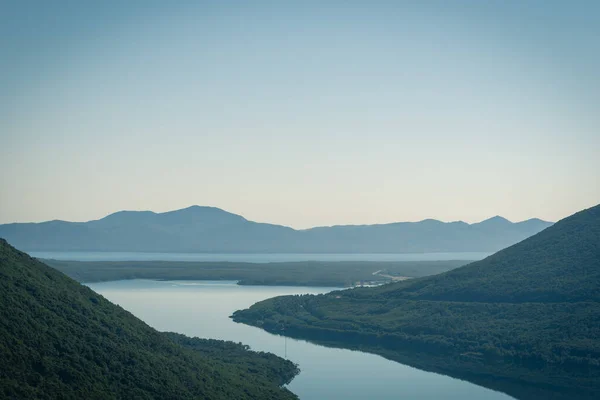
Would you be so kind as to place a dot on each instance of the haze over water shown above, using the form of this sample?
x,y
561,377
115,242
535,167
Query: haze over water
x,y
252,258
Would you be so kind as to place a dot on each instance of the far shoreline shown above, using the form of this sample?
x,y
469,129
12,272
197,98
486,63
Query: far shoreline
x,y
342,274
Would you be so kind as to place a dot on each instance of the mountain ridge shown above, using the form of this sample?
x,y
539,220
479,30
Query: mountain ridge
x,y
221,210
205,229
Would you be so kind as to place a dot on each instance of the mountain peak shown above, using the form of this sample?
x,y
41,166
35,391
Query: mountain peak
x,y
430,221
535,220
198,213
495,220
198,208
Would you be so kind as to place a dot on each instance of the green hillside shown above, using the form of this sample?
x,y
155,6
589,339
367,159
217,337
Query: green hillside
x,y
59,339
559,264
527,316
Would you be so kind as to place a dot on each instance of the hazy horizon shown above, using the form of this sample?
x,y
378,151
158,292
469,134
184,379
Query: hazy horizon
x,y
308,114
249,219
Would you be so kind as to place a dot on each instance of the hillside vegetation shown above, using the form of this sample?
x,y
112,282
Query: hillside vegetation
x,y
560,264
529,314
60,339
302,273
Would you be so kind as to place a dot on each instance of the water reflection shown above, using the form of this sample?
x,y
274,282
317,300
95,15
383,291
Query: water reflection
x,y
203,308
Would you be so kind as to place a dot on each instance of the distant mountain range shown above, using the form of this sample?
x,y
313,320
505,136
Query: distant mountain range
x,y
209,229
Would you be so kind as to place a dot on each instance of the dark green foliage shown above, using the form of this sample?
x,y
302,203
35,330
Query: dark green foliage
x,y
527,314
305,273
560,264
59,339
267,364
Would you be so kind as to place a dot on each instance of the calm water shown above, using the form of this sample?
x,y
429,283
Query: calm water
x,y
202,309
255,258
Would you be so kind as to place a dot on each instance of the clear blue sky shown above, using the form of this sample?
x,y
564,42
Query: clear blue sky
x,y
300,113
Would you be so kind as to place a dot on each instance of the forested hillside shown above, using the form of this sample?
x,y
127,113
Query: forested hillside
x,y
60,339
560,264
529,313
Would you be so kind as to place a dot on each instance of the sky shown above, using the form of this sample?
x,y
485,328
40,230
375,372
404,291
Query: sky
x,y
300,113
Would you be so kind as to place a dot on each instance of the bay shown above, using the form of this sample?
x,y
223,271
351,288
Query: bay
x,y
202,308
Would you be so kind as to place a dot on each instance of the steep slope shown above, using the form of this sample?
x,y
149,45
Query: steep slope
x,y
59,339
529,314
560,264
209,229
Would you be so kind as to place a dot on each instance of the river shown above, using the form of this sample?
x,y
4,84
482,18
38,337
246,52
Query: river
x,y
202,308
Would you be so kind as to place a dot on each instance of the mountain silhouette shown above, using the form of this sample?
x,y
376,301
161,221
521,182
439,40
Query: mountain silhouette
x,y
213,230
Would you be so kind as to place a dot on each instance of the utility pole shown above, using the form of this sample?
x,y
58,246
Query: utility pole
x,y
284,339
